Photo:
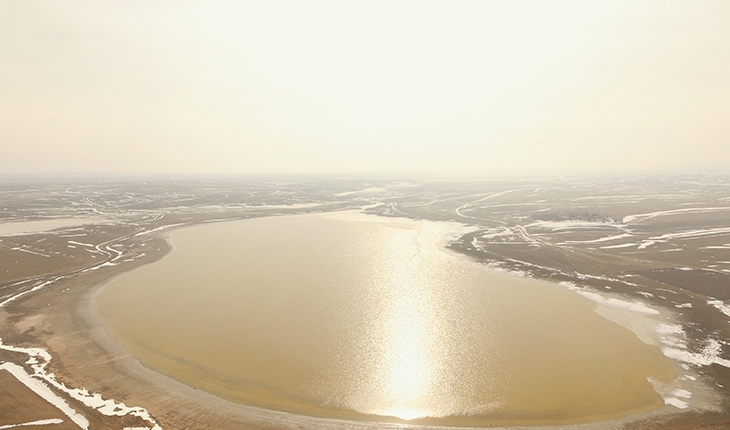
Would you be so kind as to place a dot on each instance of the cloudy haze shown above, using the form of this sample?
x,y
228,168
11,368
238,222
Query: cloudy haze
x,y
462,89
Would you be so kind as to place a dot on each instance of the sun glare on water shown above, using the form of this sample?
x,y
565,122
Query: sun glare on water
x,y
407,357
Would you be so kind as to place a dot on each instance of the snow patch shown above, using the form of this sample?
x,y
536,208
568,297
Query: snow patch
x,y
676,402
721,306
39,358
710,354
45,392
34,423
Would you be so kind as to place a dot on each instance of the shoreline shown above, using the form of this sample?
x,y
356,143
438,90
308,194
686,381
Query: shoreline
x,y
139,385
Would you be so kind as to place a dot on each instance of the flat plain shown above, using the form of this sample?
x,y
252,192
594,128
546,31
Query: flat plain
x,y
657,243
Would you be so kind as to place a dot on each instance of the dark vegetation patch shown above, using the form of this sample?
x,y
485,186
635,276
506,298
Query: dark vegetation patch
x,y
706,282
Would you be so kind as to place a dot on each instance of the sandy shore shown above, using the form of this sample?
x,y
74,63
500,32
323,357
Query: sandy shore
x,y
57,318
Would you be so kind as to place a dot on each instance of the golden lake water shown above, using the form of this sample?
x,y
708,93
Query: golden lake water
x,y
366,318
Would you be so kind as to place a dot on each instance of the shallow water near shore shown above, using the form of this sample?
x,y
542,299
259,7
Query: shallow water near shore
x,y
28,227
357,317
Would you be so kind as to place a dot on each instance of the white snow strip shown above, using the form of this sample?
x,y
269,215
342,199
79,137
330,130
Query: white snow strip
x,y
135,257
572,225
645,216
108,263
671,393
618,303
720,305
684,394
610,301
42,390
602,239
605,278
36,288
219,219
672,336
526,236
365,190
525,263
693,233
289,206
460,209
108,249
497,232
34,423
689,234
710,354
17,248
80,243
675,402
39,359
653,329
623,245
646,244
160,228
628,197
569,285
683,305
670,329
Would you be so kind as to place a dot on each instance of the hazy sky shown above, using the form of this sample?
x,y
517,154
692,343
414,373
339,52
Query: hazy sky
x,y
433,88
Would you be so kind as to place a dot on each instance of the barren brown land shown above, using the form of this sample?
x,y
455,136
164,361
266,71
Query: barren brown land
x,y
629,244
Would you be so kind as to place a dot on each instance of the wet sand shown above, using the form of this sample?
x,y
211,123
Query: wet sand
x,y
447,355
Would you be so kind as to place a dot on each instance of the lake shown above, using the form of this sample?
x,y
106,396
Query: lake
x,y
359,317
